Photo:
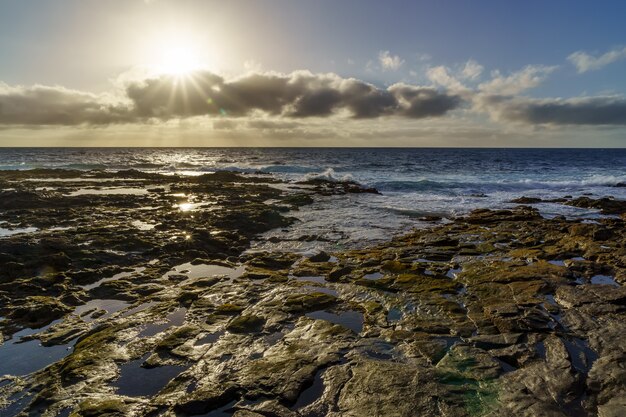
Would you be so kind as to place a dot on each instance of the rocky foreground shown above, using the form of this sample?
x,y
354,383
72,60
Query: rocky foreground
x,y
133,294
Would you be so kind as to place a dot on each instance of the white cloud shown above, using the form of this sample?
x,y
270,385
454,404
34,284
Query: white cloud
x,y
526,78
585,62
389,62
472,70
440,75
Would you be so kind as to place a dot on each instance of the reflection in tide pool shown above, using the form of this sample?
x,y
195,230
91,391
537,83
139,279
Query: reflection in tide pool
x,y
22,358
352,320
110,306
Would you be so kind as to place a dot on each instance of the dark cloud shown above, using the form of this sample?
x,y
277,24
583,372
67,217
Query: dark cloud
x,y
296,95
424,102
577,111
41,105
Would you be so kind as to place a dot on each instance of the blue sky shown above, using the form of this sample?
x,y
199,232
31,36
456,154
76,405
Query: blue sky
x,y
560,64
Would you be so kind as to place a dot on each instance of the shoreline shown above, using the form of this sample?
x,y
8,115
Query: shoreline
x,y
496,313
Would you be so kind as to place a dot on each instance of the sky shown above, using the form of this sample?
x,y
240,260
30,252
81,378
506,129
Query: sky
x,y
312,73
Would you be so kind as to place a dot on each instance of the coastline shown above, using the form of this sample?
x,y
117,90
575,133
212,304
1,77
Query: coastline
x,y
501,312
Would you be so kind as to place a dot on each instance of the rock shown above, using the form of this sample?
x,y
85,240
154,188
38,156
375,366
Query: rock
x,y
37,311
339,272
526,200
605,205
246,323
495,341
320,257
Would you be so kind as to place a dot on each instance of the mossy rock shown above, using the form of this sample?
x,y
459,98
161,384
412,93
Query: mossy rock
x,y
229,308
38,311
394,266
178,337
296,303
101,408
246,323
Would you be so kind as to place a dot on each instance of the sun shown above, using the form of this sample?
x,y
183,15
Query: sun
x,y
178,54
179,59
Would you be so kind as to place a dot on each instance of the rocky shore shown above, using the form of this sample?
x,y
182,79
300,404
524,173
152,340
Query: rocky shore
x,y
136,294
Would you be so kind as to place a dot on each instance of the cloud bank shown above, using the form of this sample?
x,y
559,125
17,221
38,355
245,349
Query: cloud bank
x,y
296,95
577,111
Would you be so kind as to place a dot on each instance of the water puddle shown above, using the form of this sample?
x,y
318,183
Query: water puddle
x,y
557,262
312,392
139,308
324,290
136,381
315,279
141,225
11,232
175,318
581,355
210,338
373,276
108,191
113,278
453,272
206,270
18,403
604,280
22,358
378,349
550,299
94,306
350,319
394,314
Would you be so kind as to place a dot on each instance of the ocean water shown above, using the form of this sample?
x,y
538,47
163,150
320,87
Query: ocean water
x,y
414,182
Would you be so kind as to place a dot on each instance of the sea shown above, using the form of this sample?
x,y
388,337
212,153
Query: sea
x,y
413,182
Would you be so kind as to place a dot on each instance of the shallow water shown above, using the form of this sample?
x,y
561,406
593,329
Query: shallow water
x,y
604,280
175,318
206,270
136,381
113,278
24,358
108,191
110,306
10,232
312,392
352,320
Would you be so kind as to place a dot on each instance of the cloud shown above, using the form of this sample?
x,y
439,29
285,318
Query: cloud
x,y
526,78
419,102
297,95
601,110
585,62
43,105
440,75
472,70
389,62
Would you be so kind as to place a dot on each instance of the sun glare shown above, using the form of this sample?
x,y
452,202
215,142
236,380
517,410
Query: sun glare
x,y
178,54
179,60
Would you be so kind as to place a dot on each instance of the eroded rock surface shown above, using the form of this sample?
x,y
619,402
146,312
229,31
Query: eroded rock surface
x,y
144,302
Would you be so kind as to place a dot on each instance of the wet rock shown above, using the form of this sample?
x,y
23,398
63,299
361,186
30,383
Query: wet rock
x,y
320,257
605,205
301,303
37,311
339,272
246,323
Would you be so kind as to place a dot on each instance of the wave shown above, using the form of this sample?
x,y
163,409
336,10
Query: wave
x,y
329,175
477,186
